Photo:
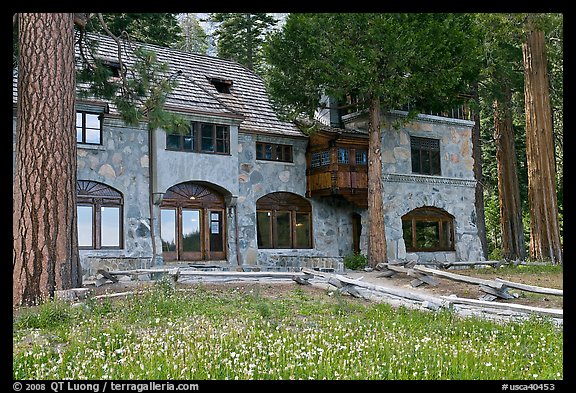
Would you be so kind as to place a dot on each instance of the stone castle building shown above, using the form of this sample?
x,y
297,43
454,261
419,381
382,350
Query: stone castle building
x,y
245,188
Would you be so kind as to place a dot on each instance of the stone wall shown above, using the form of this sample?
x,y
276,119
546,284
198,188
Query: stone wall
x,y
219,171
453,191
331,218
121,162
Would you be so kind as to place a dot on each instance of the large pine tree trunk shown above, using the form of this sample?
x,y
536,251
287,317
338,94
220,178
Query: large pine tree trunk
x,y
479,188
544,228
376,230
513,244
45,251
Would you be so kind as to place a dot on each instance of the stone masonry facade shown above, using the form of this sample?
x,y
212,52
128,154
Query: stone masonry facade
x,y
136,163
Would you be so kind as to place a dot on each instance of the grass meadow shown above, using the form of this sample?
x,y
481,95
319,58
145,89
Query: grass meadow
x,y
226,334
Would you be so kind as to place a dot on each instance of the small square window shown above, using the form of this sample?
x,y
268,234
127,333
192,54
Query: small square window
x,y
89,128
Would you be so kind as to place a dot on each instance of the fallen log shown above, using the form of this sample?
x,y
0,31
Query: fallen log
x,y
552,312
495,264
460,277
531,288
192,272
340,281
419,278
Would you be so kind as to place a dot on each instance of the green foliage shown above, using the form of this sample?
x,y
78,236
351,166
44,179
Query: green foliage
x,y
217,335
153,28
240,37
140,92
50,314
194,38
355,261
418,59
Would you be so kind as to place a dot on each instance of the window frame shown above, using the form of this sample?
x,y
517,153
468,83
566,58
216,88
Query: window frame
x,y
285,155
319,159
277,203
106,196
429,215
84,128
207,200
196,135
426,148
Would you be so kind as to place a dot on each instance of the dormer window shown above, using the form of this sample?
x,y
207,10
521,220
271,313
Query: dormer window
x,y
112,66
221,85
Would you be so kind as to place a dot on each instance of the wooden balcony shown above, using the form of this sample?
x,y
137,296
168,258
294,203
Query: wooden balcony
x,y
337,166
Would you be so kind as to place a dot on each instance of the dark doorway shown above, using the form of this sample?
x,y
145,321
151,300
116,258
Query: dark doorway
x,y
356,232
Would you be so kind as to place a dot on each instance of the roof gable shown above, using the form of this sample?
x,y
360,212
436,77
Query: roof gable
x,y
195,92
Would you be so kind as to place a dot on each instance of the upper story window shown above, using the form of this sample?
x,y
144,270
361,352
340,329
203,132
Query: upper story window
x,y
99,214
343,156
89,128
361,157
425,155
320,158
273,152
201,138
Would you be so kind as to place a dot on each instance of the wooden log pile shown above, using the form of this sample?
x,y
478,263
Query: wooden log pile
x,y
464,306
493,289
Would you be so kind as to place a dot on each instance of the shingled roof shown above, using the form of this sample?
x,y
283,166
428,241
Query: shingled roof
x,y
247,100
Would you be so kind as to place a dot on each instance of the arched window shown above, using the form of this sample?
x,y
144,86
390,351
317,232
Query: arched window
x,y
428,229
284,220
193,223
99,213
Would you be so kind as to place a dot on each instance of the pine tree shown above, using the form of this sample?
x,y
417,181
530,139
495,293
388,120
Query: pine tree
x,y
240,37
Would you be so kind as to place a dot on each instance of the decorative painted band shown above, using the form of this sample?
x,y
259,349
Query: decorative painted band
x,y
397,177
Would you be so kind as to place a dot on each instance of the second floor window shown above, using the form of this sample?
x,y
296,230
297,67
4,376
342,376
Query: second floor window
x,y
88,128
320,158
273,152
201,138
425,155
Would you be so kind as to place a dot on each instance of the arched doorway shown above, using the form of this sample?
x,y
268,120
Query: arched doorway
x,y
193,223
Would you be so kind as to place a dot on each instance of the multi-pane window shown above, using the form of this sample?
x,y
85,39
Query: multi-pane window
x,y
428,229
320,158
201,138
284,220
343,156
425,155
273,152
99,215
89,128
361,157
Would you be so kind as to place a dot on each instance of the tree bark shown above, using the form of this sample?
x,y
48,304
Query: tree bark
x,y
479,188
45,251
376,229
544,228
513,244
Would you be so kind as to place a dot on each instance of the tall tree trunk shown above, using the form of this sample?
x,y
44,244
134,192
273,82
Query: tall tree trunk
x,y
544,227
376,229
45,251
513,244
249,43
479,188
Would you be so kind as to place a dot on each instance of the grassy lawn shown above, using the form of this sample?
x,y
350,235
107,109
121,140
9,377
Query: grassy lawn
x,y
200,333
